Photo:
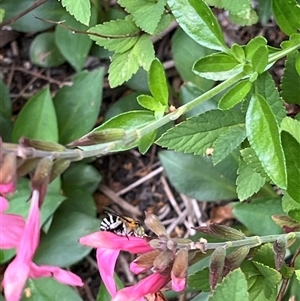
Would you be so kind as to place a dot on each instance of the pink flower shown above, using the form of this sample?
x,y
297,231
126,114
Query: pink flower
x,y
108,247
22,266
11,227
148,285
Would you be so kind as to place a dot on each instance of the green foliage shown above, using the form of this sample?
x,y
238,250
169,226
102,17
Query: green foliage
x,y
5,113
81,11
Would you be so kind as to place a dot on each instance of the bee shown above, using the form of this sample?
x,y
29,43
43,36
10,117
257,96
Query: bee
x,y
121,225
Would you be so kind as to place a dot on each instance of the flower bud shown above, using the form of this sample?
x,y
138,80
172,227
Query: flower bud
x,y
279,247
162,261
58,168
42,145
180,270
286,223
27,166
154,224
8,173
216,266
235,259
144,262
225,232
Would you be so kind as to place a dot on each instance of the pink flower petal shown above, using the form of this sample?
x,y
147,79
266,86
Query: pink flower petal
x,y
11,230
59,274
14,279
178,284
137,269
149,285
7,187
3,204
108,240
106,259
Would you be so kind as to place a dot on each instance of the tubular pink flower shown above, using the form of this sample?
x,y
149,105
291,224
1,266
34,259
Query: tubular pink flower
x,y
7,188
11,227
22,266
136,268
106,259
108,240
149,285
178,284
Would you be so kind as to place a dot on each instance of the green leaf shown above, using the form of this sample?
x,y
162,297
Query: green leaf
x,y
81,11
185,52
87,177
228,141
150,103
248,181
253,45
158,83
143,51
259,59
197,134
77,107
198,178
217,66
103,294
129,65
263,135
245,19
200,280
198,21
286,14
291,207
48,289
65,40
267,88
291,150
233,287
116,35
147,14
256,216
238,52
37,120
50,10
5,113
60,245
146,142
44,51
292,126
235,95
290,90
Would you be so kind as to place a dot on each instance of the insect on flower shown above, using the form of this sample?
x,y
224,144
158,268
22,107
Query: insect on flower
x,y
121,225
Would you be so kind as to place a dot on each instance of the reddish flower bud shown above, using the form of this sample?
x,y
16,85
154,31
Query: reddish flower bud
x,y
180,270
279,247
144,262
235,259
216,267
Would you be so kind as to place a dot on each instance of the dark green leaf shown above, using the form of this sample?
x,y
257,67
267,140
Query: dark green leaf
x,y
198,178
263,135
146,142
227,289
5,113
139,81
286,13
44,51
197,134
290,89
198,21
65,40
48,289
292,126
147,14
235,95
217,66
185,52
264,12
291,150
248,181
256,216
81,11
77,107
199,280
291,207
37,120
103,294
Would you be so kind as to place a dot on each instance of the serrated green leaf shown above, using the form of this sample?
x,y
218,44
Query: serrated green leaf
x,y
256,216
253,45
197,134
48,289
158,83
292,126
147,14
77,107
263,135
235,95
146,142
185,52
65,40
200,280
248,181
198,178
116,35
291,150
259,59
290,88
143,51
228,141
267,88
265,255
198,21
233,287
129,65
37,120
81,11
286,14
217,66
